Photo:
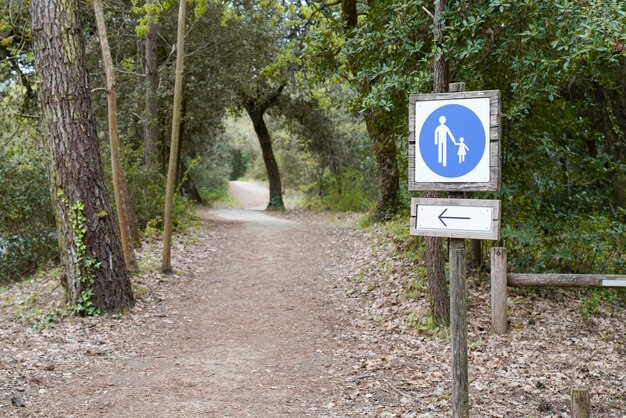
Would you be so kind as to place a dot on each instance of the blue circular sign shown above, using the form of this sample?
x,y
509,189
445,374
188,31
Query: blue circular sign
x,y
452,141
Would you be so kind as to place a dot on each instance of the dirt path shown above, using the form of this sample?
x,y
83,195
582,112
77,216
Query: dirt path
x,y
298,315
249,334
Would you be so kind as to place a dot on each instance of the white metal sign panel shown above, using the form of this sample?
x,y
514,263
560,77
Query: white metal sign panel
x,y
614,283
452,141
469,218
456,218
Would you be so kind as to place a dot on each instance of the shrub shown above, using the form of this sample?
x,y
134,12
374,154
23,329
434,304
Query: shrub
x,y
346,193
146,187
27,226
568,244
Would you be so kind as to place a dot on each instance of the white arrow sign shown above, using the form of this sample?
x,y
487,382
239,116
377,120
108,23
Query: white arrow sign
x,y
456,218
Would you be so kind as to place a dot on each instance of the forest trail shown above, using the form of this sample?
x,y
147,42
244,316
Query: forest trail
x,y
249,334
295,315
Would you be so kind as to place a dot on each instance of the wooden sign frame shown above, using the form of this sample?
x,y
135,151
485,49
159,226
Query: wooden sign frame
x,y
494,142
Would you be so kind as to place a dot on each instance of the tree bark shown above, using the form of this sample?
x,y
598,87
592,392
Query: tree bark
x,y
180,172
151,124
273,175
166,264
349,13
379,128
433,258
94,276
476,254
122,201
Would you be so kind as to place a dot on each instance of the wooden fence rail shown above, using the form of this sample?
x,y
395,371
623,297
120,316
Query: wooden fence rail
x,y
501,278
565,280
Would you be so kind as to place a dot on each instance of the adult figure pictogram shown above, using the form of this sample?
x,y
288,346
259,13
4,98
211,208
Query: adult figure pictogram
x,y
441,140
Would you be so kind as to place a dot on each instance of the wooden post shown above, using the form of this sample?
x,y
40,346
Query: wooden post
x,y
581,405
458,314
458,329
499,318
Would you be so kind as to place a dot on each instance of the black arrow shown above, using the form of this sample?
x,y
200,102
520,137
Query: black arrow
x,y
441,217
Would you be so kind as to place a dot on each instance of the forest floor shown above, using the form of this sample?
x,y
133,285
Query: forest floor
x,y
293,315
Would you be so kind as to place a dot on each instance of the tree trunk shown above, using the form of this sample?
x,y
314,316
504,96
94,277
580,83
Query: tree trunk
x,y
349,13
122,201
95,277
433,258
379,128
151,126
166,264
180,172
476,254
273,175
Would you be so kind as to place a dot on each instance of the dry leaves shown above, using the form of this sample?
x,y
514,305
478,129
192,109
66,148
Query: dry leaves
x,y
528,372
386,359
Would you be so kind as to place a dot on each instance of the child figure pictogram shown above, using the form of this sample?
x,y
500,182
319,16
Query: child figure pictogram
x,y
462,152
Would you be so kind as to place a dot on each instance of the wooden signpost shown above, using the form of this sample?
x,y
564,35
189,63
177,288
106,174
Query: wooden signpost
x,y
454,146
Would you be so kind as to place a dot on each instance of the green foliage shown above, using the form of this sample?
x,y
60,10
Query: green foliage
x,y
146,188
209,176
427,325
85,264
27,225
593,301
567,243
29,307
147,191
240,161
397,231
559,66
343,193
150,11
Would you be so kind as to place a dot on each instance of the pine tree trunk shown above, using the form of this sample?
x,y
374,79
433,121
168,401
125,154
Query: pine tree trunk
x,y
94,272
433,258
166,264
151,127
273,175
122,200
379,128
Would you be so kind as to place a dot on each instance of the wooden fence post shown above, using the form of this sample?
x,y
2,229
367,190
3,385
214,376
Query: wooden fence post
x,y
458,328
499,318
581,404
458,313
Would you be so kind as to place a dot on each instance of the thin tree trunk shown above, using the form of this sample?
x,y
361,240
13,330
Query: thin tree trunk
x,y
122,202
273,175
379,129
433,258
349,13
476,254
151,127
95,276
181,137
166,264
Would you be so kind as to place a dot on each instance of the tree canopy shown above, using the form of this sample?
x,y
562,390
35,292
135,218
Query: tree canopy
x,y
330,83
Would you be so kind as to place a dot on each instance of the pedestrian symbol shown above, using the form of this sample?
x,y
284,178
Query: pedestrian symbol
x,y
452,141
